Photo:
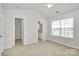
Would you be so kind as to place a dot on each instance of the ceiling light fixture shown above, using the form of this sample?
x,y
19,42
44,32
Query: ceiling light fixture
x,y
49,5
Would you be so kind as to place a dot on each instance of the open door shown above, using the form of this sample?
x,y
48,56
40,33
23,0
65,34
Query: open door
x,y
40,31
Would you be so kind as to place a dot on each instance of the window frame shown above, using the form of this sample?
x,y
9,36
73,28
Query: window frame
x,y
60,31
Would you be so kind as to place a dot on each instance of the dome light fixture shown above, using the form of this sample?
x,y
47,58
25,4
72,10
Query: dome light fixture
x,y
49,5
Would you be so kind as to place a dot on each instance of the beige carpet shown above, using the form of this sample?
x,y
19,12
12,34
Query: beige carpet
x,y
42,48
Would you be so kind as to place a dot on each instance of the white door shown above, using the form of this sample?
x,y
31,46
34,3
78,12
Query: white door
x,y
1,34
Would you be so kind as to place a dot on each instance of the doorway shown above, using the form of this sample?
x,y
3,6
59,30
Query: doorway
x,y
40,30
18,32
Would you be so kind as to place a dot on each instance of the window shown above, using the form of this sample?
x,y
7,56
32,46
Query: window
x,y
56,28
63,28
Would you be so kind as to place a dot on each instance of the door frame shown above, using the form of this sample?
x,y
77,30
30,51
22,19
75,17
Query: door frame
x,y
22,38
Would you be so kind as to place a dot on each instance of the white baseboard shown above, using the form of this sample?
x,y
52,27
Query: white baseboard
x,y
76,47
7,47
31,42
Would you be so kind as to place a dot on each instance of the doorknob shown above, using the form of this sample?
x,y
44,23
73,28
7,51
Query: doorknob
x,y
0,36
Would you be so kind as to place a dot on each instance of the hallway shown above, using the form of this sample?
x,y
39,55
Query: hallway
x,y
18,42
42,48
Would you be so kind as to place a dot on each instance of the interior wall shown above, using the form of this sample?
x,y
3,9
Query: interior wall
x,y
30,26
2,31
66,41
18,28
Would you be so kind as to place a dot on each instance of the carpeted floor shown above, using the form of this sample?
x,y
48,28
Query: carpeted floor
x,y
42,48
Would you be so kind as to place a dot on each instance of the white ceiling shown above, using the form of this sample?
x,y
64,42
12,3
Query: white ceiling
x,y
42,8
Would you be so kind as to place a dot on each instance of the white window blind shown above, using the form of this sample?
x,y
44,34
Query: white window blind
x,y
63,28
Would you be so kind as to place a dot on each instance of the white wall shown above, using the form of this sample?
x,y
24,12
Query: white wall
x,y
66,41
18,28
2,32
30,26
